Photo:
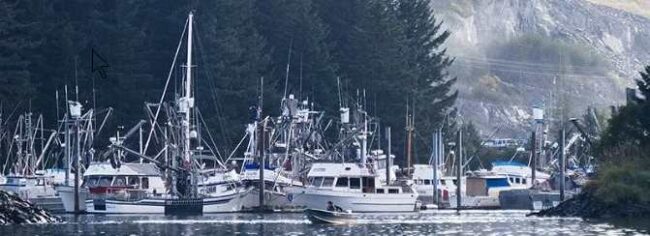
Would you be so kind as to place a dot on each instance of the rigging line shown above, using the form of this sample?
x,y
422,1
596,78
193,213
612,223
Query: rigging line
x,y
530,64
532,69
216,101
286,78
486,66
209,134
524,68
169,75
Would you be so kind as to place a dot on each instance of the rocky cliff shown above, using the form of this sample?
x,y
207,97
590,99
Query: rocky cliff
x,y
563,55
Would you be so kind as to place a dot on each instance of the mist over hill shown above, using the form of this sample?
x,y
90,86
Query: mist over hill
x,y
563,55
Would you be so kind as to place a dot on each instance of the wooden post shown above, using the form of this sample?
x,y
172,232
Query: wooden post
x,y
77,166
459,169
261,146
388,156
562,163
533,162
435,166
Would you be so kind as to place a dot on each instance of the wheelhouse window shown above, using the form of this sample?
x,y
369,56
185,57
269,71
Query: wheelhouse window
x,y
145,182
120,181
92,181
105,181
427,182
317,181
342,182
523,181
393,191
380,190
327,182
355,183
134,181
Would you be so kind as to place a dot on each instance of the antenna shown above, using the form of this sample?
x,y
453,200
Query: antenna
x,y
56,95
76,81
261,98
300,89
66,100
286,78
338,87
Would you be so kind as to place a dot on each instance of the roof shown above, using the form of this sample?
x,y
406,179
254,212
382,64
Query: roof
x,y
140,169
338,169
508,163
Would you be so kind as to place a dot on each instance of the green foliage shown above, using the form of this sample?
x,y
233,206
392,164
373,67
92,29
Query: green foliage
x,y
624,151
392,50
621,184
15,41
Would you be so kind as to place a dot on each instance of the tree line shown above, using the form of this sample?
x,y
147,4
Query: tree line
x,y
118,53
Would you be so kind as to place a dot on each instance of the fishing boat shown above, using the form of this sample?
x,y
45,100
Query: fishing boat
x,y
27,176
139,188
184,176
423,183
318,216
482,187
361,186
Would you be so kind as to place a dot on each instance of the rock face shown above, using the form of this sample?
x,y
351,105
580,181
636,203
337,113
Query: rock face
x,y
494,91
585,205
14,210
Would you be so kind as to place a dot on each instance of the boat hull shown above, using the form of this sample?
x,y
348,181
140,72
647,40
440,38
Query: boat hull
x,y
223,204
356,202
317,216
272,199
67,197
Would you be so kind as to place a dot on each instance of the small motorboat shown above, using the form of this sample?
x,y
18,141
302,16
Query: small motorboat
x,y
318,216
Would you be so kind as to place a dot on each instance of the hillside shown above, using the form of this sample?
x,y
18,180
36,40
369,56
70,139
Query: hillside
x,y
563,55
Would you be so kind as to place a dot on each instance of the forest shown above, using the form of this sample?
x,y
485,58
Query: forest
x,y
117,53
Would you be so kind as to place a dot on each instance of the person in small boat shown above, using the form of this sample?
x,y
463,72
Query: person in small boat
x,y
330,206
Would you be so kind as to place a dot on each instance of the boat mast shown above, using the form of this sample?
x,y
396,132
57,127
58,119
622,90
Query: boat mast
x,y
188,104
188,91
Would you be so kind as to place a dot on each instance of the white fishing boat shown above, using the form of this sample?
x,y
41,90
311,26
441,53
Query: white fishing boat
x,y
174,181
276,181
482,187
139,188
38,189
423,183
353,187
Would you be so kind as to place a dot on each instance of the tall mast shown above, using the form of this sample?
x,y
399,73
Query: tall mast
x,y
188,91
187,106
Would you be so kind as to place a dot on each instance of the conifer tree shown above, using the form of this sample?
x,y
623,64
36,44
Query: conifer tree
x,y
229,82
430,85
293,30
15,43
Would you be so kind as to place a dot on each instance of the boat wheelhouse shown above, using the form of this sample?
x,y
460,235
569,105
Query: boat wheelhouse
x,y
424,183
353,187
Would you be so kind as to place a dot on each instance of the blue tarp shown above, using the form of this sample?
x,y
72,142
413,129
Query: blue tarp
x,y
499,182
507,163
255,166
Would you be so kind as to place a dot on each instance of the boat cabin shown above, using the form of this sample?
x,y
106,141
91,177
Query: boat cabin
x,y
101,178
349,177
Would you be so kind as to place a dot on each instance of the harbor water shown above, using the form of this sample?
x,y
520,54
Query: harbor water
x,y
471,222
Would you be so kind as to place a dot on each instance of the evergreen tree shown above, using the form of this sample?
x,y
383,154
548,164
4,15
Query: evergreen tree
x,y
229,81
293,30
429,83
16,41
631,124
